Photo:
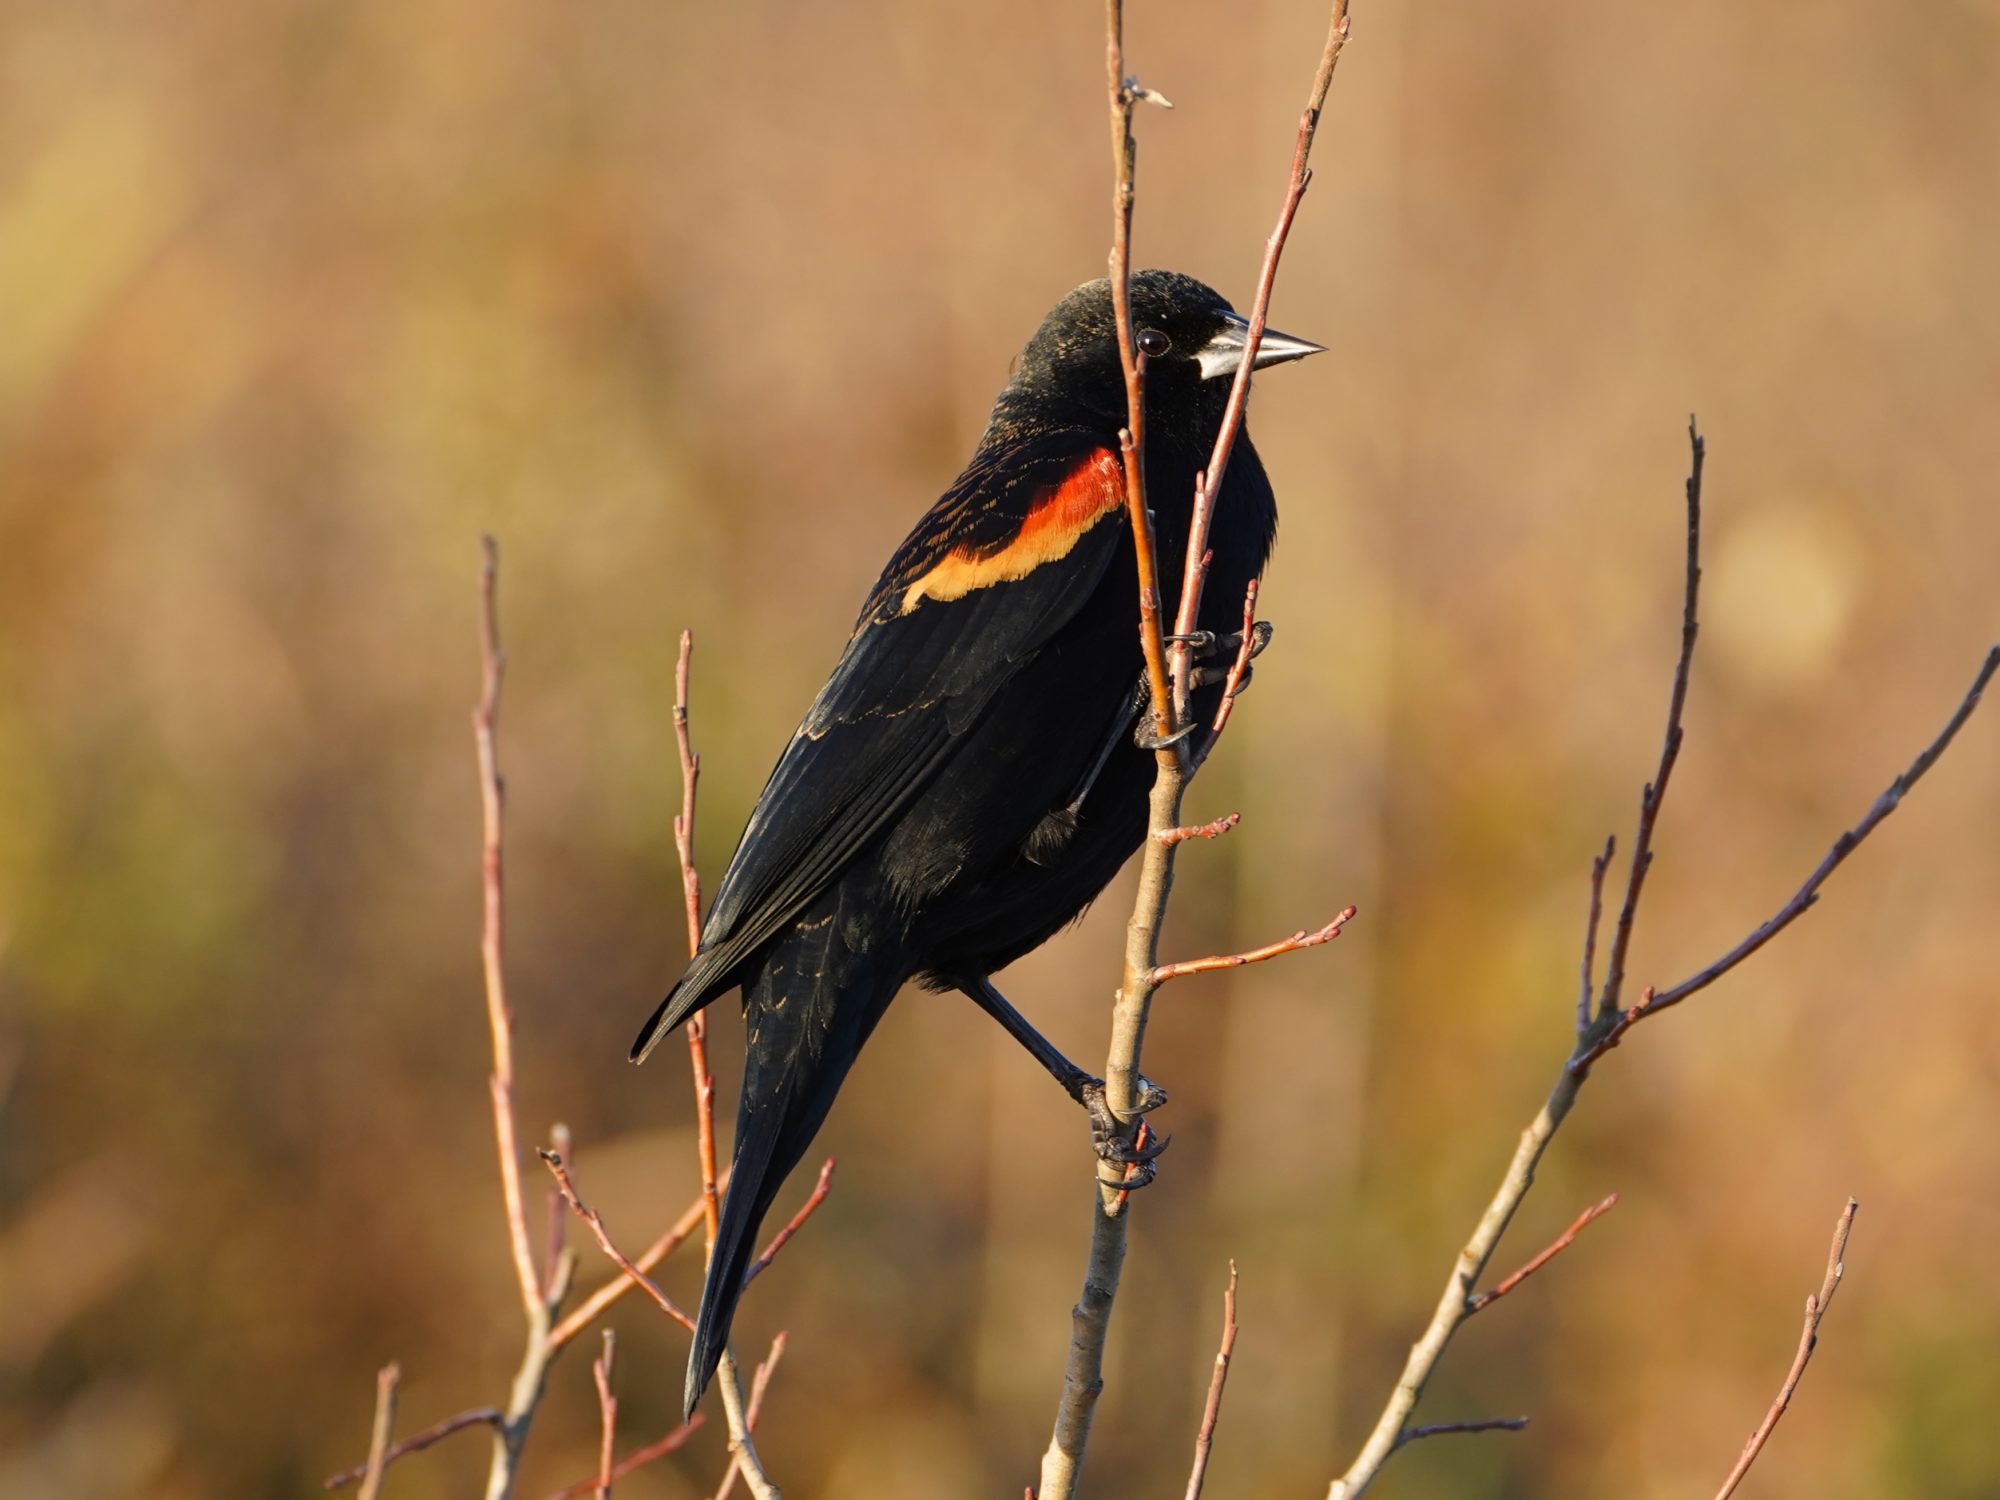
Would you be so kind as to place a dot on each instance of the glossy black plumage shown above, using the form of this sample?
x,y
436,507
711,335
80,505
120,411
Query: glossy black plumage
x,y
967,781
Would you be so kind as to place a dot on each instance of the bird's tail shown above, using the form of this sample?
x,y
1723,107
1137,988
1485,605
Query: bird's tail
x,y
807,1010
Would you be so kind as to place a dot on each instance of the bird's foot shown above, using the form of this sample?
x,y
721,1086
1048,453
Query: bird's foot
x,y
1144,737
1206,644
1117,1140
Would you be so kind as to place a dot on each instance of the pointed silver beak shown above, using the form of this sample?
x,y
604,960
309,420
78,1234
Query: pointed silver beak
x,y
1223,354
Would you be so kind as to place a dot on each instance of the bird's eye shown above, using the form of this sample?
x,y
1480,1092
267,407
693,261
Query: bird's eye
x,y
1153,343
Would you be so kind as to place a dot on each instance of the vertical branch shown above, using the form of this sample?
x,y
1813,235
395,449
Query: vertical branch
x,y
607,1406
539,1300
1132,441
1083,1374
1205,1438
741,1447
492,935
385,1423
1196,573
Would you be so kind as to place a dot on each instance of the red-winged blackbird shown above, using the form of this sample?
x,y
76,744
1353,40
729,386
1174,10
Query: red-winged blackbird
x,y
973,772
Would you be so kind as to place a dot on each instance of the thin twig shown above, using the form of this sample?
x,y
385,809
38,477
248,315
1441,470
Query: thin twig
x,y
540,1298
484,1416
1215,828
1083,1373
499,1015
618,1257
638,1458
741,1448
592,1307
1450,1429
1232,685
1456,1301
797,1221
385,1423
1548,1253
1588,990
1816,1305
1293,944
1239,391
1655,791
1205,1438
607,1407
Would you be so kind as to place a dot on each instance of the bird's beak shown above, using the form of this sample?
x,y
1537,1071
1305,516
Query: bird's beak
x,y
1223,354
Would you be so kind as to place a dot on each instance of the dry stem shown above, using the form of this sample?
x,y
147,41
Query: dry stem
x,y
1816,1305
1205,1438
385,1422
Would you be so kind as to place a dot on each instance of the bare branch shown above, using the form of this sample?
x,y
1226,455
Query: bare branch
x,y
1293,944
1205,1438
1091,1318
740,1446
1232,685
1655,791
618,1257
1548,1253
593,1306
484,1416
1450,1429
778,1240
1589,988
637,1459
607,1407
1816,1305
500,1017
385,1422
1602,1032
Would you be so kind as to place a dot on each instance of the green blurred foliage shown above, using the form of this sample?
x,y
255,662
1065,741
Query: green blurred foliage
x,y
696,308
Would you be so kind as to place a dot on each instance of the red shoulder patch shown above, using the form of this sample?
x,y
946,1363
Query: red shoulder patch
x,y
1057,518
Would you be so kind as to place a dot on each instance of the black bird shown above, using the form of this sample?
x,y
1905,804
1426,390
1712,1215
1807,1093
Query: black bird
x,y
973,772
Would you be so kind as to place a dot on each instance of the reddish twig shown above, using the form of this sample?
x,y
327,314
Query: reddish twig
x,y
607,1407
484,1416
593,1306
797,1221
1239,391
1816,1305
499,1015
1214,829
1232,685
618,1257
1091,1320
1555,1247
1297,941
385,1422
1589,986
760,1382
638,1458
742,1450
1205,1438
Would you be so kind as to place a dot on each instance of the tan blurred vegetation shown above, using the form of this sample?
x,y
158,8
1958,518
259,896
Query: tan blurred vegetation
x,y
697,307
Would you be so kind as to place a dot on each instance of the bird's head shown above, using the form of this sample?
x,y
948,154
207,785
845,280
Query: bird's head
x,y
1192,339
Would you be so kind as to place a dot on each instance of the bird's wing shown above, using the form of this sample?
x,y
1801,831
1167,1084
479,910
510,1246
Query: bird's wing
x,y
995,569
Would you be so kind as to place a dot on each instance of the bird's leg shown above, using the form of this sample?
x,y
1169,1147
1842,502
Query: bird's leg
x,y
1115,1139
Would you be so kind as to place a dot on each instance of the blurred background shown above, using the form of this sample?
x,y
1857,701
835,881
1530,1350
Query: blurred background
x,y
697,308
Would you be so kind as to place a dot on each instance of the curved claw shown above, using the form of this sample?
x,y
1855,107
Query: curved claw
x,y
1145,739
